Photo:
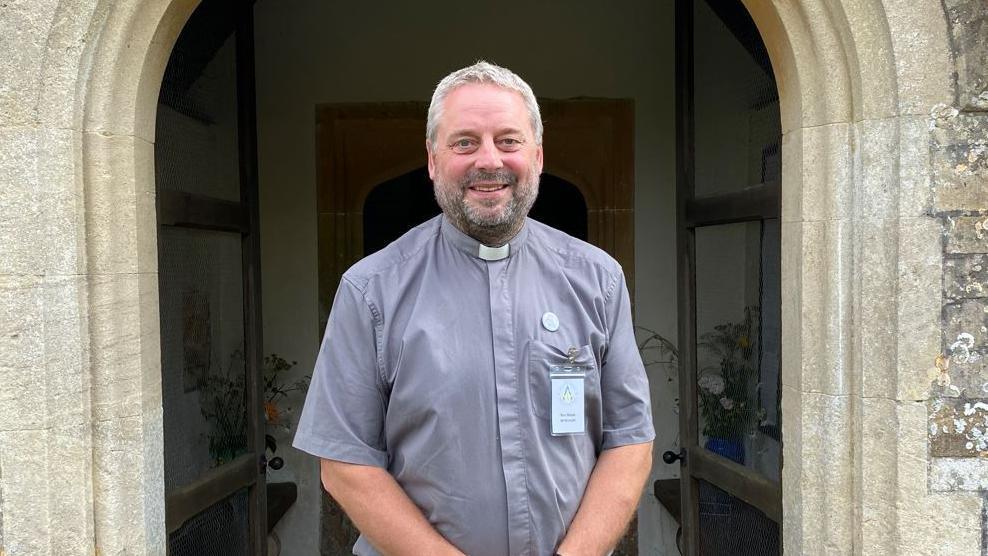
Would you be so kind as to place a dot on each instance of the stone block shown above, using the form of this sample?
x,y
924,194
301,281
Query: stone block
x,y
115,346
63,226
876,335
120,205
959,427
21,207
878,451
921,53
958,474
792,305
967,21
819,159
825,318
965,342
915,189
917,305
826,484
876,167
150,339
959,154
70,494
965,276
66,361
864,34
23,398
125,487
24,29
24,482
966,234
943,524
21,322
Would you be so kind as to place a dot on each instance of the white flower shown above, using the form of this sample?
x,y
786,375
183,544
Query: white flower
x,y
727,403
711,383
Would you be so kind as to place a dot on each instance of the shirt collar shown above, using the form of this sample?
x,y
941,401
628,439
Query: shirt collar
x,y
474,248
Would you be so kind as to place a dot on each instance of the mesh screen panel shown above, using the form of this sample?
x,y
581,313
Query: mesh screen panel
x,y
220,530
196,141
202,342
738,377
730,527
736,105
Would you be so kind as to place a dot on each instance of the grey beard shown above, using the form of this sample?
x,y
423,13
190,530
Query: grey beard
x,y
490,229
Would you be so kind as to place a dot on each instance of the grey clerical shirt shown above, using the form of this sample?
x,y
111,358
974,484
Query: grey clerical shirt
x,y
435,366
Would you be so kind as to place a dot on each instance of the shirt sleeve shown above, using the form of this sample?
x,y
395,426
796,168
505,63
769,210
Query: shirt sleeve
x,y
627,409
343,416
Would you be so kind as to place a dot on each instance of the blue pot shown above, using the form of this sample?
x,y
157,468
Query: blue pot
x,y
730,448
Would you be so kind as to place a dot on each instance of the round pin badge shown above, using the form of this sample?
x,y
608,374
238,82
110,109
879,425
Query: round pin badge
x,y
550,321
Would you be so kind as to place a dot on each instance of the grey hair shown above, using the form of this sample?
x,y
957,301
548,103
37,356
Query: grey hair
x,y
482,72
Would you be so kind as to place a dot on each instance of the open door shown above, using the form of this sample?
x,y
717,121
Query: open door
x,y
728,196
209,288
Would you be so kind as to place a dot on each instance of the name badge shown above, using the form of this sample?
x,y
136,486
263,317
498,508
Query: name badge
x,y
568,405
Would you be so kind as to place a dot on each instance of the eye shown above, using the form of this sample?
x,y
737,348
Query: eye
x,y
510,143
464,145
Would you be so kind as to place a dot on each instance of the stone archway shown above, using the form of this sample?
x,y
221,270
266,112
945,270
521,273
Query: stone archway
x,y
857,84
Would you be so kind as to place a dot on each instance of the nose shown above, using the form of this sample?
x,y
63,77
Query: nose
x,y
488,156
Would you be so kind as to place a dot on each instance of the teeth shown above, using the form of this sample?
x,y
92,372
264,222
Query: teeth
x,y
487,188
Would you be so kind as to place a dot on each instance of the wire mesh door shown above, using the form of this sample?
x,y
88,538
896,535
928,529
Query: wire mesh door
x,y
728,173
208,287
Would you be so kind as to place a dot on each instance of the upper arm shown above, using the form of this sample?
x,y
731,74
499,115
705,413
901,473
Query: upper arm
x,y
627,411
343,417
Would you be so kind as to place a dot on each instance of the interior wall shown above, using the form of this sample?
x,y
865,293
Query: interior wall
x,y
311,52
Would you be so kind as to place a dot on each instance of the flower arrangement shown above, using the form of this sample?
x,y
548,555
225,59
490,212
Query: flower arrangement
x,y
223,399
277,389
724,390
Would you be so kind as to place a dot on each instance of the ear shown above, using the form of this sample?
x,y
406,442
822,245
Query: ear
x,y
538,158
432,159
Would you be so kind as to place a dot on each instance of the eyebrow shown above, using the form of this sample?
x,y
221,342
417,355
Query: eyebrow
x,y
505,131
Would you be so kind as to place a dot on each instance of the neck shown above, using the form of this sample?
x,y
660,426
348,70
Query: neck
x,y
491,236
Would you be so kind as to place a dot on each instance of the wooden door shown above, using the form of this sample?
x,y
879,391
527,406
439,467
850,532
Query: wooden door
x,y
728,181
209,288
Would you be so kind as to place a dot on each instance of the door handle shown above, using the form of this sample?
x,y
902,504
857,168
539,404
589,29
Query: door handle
x,y
670,457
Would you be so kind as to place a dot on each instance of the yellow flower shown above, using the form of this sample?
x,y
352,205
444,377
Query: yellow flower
x,y
271,412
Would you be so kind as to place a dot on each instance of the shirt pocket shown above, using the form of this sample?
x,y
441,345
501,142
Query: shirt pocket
x,y
542,357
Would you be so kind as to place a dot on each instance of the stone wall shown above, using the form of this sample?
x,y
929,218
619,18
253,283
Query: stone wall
x,y
884,330
958,408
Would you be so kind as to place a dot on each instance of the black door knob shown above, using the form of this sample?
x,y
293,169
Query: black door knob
x,y
670,457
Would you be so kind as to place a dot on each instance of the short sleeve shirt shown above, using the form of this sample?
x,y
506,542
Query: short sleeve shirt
x,y
435,366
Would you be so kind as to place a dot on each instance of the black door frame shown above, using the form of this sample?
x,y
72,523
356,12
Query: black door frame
x,y
187,210
751,204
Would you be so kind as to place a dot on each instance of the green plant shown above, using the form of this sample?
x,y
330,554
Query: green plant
x,y
223,401
725,389
277,388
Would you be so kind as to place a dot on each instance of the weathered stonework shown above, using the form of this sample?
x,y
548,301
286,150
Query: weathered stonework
x,y
885,231
960,160
968,22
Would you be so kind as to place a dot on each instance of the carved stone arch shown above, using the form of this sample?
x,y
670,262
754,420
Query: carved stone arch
x,y
858,81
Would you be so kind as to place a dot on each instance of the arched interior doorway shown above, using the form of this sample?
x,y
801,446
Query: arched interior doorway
x,y
401,203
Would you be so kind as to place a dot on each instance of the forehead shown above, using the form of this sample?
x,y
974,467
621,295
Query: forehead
x,y
477,106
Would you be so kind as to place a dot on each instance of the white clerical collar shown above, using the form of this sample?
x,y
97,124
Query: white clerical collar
x,y
474,248
493,253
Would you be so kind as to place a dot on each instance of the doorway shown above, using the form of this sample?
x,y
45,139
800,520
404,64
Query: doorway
x,y
209,288
728,188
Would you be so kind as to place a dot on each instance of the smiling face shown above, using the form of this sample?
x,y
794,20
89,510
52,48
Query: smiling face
x,y
485,162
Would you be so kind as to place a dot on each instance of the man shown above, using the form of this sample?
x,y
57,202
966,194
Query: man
x,y
479,390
